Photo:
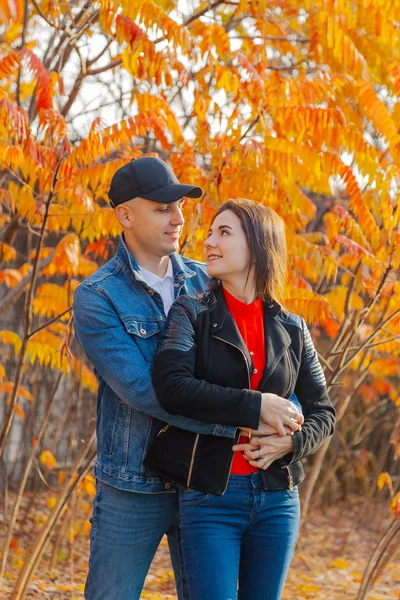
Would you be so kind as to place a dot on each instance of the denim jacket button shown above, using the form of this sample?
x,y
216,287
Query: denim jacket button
x,y
142,331
168,485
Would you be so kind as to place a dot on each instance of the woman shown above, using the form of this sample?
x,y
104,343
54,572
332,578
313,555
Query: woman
x,y
234,356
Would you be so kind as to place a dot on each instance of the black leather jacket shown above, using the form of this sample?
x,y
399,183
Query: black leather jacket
x,y
203,371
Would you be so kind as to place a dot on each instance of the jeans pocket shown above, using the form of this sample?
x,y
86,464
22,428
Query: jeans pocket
x,y
189,497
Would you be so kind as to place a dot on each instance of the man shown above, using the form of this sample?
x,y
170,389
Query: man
x,y
119,314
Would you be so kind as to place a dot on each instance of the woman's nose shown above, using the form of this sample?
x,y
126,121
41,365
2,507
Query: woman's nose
x,y
210,242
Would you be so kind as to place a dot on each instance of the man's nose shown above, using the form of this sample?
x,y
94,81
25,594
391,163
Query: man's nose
x,y
177,217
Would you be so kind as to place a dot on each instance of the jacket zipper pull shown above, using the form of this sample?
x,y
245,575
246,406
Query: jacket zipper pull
x,y
289,478
163,430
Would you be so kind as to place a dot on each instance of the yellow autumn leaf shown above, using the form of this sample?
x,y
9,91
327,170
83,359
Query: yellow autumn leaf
x,y
384,479
66,257
86,527
12,338
17,563
2,373
48,460
7,253
90,489
340,563
51,502
337,297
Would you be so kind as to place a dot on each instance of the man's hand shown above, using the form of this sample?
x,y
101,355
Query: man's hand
x,y
280,413
262,451
265,429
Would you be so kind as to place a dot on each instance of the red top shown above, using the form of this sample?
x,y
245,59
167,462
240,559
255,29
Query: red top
x,y
249,319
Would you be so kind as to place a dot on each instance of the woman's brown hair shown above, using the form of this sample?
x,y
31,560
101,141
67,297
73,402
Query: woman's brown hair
x,y
265,234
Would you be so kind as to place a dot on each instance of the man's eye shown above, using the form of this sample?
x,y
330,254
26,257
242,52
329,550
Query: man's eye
x,y
163,210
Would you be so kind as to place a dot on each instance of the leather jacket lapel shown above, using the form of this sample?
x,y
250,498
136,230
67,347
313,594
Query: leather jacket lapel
x,y
223,327
277,339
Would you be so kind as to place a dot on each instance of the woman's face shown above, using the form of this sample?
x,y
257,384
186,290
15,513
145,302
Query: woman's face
x,y
226,250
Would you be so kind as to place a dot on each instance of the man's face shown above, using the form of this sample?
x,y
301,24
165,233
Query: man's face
x,y
150,226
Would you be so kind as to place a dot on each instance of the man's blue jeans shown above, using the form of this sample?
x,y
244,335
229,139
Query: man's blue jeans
x,y
127,528
247,535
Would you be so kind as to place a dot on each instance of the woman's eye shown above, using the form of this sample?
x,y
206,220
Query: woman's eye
x,y
224,233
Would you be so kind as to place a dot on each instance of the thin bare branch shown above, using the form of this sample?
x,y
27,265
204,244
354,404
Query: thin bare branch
x,y
111,65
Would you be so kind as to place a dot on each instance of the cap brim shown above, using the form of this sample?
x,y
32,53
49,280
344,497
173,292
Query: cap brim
x,y
173,192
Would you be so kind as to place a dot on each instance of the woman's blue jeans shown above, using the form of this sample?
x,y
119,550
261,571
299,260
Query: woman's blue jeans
x,y
238,545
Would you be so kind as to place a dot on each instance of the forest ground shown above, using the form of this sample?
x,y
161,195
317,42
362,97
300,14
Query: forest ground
x,y
328,565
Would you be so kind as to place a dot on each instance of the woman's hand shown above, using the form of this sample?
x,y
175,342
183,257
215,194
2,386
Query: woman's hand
x,y
280,413
262,451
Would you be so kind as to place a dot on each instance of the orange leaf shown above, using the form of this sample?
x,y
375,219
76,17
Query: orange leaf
x,y
396,505
19,411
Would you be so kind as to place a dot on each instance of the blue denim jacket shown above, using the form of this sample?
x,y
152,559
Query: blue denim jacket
x,y
118,320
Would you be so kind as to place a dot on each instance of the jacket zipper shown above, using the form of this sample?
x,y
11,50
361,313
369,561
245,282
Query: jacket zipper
x,y
248,376
289,478
189,477
290,373
163,430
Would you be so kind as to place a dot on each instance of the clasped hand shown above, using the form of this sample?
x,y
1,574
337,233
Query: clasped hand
x,y
262,451
273,439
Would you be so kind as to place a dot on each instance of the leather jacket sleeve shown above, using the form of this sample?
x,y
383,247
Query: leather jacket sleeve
x,y
319,413
118,360
177,388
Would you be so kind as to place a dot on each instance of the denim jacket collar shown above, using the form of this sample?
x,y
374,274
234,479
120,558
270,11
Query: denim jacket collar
x,y
126,259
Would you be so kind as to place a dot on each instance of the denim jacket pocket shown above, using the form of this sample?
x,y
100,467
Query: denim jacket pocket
x,y
146,334
143,329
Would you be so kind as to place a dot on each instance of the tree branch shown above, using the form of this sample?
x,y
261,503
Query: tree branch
x,y
202,12
111,65
17,290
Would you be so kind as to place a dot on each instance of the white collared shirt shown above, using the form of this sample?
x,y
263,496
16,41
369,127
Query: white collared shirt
x,y
163,285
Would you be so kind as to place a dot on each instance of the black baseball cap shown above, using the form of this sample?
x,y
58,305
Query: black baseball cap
x,y
150,178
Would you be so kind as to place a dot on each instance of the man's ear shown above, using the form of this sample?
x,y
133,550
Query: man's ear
x,y
124,216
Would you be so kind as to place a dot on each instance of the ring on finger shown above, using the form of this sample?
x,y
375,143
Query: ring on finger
x,y
261,455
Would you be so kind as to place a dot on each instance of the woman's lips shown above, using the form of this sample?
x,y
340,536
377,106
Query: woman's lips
x,y
213,257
